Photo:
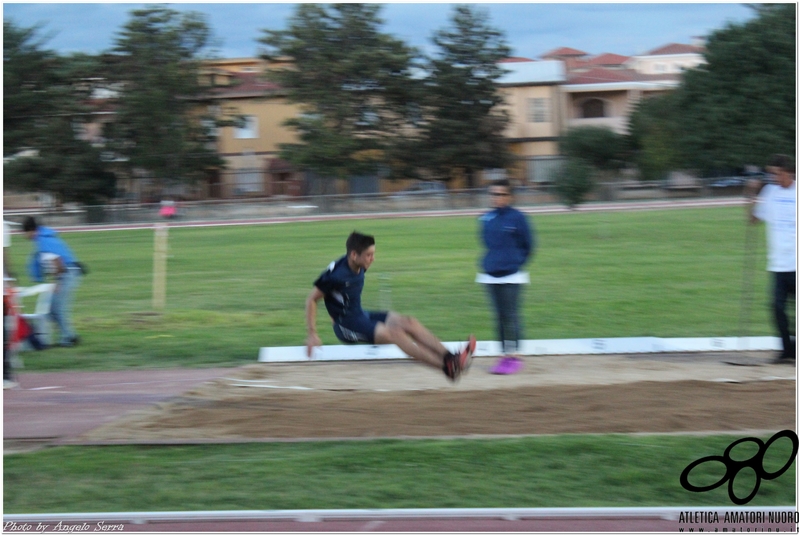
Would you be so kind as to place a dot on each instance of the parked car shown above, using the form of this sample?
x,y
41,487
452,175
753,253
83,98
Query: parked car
x,y
739,181
729,182
427,187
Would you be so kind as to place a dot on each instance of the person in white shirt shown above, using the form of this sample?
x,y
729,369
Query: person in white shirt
x,y
775,205
8,278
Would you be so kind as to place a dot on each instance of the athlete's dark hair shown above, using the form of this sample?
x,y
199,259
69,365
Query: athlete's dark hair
x,y
29,224
359,242
783,161
503,183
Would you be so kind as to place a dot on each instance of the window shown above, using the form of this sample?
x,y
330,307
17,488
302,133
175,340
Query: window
x,y
495,174
248,180
369,117
660,67
593,108
210,128
249,128
538,110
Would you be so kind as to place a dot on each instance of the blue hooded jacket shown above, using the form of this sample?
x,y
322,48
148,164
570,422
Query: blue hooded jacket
x,y
510,241
47,241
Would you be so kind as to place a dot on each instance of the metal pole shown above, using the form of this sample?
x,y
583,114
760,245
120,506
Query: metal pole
x,y
159,266
750,260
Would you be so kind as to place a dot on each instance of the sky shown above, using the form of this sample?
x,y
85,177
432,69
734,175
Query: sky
x,y
530,29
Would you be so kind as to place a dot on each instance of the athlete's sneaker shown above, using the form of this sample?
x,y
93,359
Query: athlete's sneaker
x,y
452,366
465,356
455,365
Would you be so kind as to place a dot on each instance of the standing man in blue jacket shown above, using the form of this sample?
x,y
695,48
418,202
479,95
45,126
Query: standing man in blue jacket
x,y
53,259
509,242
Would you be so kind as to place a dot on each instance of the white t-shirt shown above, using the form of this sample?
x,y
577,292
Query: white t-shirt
x,y
49,263
776,206
6,235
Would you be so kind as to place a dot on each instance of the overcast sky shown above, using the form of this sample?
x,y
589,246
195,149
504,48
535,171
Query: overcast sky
x,y
531,29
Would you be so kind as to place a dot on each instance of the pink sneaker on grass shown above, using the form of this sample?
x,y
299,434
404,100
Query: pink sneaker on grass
x,y
508,366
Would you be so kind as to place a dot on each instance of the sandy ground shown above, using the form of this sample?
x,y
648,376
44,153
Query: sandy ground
x,y
552,394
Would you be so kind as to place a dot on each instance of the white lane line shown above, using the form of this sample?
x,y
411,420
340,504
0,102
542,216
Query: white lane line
x,y
273,386
668,513
249,380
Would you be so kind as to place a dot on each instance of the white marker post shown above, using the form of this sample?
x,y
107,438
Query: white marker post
x,y
159,266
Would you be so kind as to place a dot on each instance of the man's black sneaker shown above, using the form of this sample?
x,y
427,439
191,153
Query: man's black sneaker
x,y
71,342
452,366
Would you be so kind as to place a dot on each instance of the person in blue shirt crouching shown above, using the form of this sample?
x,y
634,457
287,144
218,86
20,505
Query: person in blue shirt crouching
x,y
52,259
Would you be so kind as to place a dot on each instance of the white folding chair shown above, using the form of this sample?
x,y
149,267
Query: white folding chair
x,y
38,319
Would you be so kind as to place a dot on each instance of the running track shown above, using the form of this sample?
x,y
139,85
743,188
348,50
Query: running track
x,y
659,519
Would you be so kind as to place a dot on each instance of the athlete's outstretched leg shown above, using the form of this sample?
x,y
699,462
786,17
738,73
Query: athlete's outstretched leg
x,y
418,332
394,334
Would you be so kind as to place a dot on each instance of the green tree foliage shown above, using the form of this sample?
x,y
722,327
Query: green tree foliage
x,y
601,147
735,110
574,181
654,135
592,153
43,115
155,62
465,123
354,84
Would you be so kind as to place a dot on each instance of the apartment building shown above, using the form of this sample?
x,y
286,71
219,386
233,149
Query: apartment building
x,y
568,88
534,100
237,88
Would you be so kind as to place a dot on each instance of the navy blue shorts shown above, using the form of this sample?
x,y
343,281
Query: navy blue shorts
x,y
359,329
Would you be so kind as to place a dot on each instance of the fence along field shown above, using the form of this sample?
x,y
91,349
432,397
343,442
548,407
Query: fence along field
x,y
232,290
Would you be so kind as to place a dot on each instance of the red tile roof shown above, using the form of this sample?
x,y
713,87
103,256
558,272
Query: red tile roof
x,y
245,84
608,59
676,48
575,63
599,75
513,59
564,52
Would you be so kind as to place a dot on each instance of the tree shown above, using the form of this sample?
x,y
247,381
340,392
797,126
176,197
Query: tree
x,y
741,106
465,125
354,84
574,180
654,136
43,113
600,147
157,56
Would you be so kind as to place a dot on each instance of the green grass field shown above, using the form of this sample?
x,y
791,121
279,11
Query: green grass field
x,y
232,290
563,471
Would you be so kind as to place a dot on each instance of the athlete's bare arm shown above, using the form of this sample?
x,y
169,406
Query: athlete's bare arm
x,y
312,340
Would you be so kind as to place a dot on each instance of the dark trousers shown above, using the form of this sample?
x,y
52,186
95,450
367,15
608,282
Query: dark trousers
x,y
784,286
8,370
506,299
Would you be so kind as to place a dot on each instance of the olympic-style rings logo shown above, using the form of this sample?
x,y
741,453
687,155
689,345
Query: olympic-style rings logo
x,y
733,467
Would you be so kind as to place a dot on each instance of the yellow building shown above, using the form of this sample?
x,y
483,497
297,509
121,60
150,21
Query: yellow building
x,y
544,98
238,89
534,102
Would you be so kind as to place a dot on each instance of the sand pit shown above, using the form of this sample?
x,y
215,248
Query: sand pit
x,y
719,392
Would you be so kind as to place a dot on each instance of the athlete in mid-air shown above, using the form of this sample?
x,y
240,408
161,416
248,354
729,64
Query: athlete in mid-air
x,y
341,284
